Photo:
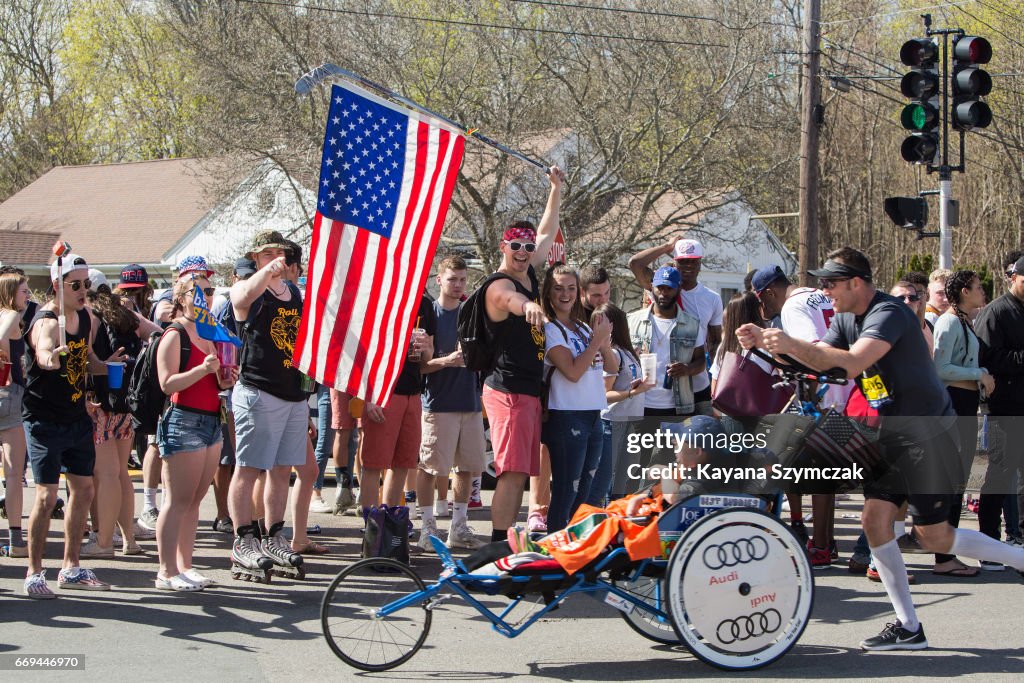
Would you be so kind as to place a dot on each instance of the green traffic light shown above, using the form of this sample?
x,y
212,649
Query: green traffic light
x,y
917,116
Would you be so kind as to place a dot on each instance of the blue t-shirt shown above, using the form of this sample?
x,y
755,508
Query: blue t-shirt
x,y
451,390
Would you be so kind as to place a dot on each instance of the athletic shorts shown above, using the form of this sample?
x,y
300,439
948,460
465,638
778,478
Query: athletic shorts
x,y
269,431
394,443
341,418
922,473
111,426
515,421
452,440
52,446
11,398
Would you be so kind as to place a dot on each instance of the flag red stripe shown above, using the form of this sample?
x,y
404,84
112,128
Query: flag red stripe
x,y
309,303
334,239
347,303
391,315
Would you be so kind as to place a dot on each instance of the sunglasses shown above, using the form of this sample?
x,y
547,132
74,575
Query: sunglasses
x,y
208,291
77,285
911,298
530,247
830,283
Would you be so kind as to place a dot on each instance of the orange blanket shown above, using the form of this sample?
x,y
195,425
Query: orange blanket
x,y
593,529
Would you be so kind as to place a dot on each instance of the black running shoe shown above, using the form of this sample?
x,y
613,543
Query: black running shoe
x,y
895,637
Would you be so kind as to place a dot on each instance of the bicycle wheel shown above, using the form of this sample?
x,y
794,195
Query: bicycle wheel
x,y
350,621
748,589
651,590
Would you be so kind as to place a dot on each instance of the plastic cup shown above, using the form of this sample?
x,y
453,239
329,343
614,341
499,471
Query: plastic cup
x,y
418,335
227,354
5,372
649,363
115,374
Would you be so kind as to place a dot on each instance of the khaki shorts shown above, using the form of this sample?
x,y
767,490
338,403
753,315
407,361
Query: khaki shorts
x,y
452,439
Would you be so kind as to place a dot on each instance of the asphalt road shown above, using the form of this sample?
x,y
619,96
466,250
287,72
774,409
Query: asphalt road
x,y
246,632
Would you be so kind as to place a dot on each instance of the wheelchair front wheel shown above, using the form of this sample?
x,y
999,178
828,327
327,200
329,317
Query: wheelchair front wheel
x,y
351,621
748,589
651,590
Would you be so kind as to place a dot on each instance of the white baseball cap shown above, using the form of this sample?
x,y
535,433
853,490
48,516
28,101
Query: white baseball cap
x,y
69,264
98,279
687,248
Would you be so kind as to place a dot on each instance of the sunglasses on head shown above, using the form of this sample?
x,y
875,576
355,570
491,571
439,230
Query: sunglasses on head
x,y
530,247
76,285
911,298
829,283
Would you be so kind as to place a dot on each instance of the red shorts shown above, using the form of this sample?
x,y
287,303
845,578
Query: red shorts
x,y
394,443
340,416
515,421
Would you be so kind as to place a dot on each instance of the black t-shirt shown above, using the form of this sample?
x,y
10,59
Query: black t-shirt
x,y
520,366
268,343
410,380
907,370
58,396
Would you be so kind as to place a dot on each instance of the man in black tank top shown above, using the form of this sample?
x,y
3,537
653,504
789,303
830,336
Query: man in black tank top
x,y
57,423
271,415
511,394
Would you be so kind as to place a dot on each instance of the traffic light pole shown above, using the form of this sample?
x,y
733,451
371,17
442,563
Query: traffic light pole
x,y
807,254
945,232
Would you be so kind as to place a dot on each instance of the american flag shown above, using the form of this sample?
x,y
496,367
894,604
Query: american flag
x,y
386,180
837,442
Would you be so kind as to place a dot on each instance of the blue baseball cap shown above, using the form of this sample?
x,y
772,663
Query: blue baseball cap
x,y
765,276
666,276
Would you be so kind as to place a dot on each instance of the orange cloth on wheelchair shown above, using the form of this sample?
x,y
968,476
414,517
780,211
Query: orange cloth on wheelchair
x,y
585,539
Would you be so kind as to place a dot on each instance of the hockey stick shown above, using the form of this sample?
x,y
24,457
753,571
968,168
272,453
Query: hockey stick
x,y
304,85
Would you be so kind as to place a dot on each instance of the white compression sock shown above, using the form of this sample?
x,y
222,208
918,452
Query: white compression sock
x,y
970,543
893,573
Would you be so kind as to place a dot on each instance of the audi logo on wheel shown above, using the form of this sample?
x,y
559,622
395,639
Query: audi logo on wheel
x,y
750,626
732,553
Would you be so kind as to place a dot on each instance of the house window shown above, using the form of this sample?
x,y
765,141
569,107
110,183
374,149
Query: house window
x,y
728,293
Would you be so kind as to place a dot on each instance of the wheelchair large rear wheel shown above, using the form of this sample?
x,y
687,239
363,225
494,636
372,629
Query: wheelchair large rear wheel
x,y
739,589
651,590
351,620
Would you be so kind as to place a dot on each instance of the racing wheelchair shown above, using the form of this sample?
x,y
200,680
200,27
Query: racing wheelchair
x,y
745,600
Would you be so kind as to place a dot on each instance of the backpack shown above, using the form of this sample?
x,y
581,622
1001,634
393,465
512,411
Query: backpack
x,y
145,397
480,345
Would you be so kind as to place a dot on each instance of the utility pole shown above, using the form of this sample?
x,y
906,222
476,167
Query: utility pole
x,y
810,116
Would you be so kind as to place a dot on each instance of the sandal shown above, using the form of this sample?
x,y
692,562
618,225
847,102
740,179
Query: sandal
x,y
176,583
961,571
312,548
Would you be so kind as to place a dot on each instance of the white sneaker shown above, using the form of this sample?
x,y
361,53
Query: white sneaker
x,y
441,508
92,549
461,535
320,505
141,533
428,529
147,519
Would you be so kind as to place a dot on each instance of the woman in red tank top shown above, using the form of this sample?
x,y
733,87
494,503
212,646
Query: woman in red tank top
x,y
189,437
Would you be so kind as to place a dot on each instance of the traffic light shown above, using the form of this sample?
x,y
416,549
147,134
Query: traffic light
x,y
970,83
921,85
907,212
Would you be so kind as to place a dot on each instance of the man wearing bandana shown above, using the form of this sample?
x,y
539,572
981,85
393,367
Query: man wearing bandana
x,y
878,340
512,391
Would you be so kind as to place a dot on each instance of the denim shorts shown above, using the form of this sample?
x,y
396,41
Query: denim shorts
x,y
181,431
11,398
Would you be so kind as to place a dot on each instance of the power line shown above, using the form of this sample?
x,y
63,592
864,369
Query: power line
x,y
985,23
890,14
651,13
474,24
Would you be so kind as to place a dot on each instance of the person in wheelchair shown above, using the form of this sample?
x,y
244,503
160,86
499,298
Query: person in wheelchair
x,y
705,442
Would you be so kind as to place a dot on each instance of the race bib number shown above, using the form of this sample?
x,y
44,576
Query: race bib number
x,y
875,391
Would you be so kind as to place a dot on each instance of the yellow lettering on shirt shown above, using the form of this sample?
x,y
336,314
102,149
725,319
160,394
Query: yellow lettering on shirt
x,y
76,364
